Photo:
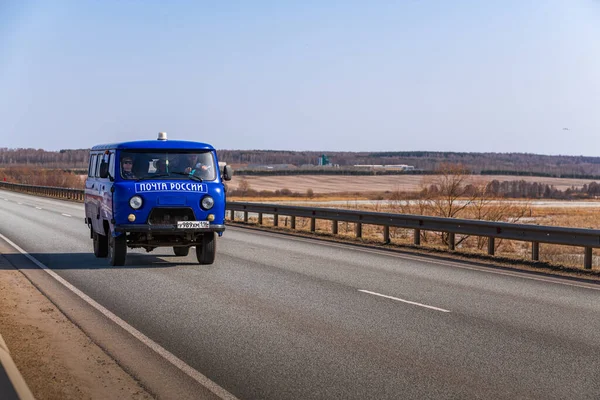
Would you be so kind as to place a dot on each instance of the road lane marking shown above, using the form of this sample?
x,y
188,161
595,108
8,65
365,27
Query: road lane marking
x,y
404,301
170,357
39,208
20,203
348,246
66,215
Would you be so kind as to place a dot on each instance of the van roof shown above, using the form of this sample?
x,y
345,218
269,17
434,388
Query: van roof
x,y
155,145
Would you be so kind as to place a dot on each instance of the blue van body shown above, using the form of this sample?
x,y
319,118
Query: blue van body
x,y
156,201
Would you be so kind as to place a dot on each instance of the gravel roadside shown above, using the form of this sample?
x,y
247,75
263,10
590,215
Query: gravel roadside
x,y
56,359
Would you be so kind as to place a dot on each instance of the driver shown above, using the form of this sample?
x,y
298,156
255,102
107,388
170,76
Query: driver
x,y
126,168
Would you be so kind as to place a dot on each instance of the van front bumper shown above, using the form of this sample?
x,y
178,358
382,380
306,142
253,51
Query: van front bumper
x,y
169,228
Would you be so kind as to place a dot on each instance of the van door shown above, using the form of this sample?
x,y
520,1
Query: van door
x,y
104,187
91,192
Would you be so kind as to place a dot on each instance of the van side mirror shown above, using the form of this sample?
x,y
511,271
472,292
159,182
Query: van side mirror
x,y
227,172
103,169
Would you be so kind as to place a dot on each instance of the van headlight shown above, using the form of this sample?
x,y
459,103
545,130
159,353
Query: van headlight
x,y
207,202
135,202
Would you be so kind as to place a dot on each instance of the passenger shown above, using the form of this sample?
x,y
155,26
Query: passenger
x,y
198,169
126,168
192,163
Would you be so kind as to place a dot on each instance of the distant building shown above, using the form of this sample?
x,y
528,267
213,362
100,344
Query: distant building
x,y
399,167
270,166
323,160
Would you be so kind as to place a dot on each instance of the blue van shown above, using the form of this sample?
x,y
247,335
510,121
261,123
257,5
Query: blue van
x,y
155,193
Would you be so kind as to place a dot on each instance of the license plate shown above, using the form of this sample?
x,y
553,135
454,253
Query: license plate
x,y
192,224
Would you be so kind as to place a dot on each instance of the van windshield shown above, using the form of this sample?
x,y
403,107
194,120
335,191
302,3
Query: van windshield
x,y
167,165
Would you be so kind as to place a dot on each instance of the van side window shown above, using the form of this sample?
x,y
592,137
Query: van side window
x,y
92,167
111,164
99,160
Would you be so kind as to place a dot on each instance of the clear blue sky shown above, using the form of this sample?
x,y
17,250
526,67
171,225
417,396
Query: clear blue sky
x,y
503,76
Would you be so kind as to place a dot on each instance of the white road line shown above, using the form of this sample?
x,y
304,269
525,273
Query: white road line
x,y
39,208
19,203
404,301
67,215
178,363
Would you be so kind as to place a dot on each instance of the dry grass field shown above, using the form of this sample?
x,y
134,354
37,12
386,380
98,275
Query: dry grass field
x,y
580,214
330,184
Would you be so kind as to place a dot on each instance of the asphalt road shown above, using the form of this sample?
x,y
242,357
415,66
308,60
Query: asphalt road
x,y
279,317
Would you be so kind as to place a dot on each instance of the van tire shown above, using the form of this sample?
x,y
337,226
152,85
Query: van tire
x,y
181,251
117,250
100,245
207,249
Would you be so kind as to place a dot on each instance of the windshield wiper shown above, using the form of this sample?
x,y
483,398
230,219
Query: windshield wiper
x,y
194,177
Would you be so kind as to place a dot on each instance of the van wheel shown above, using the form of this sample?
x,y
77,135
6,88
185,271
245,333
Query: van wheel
x,y
181,251
117,250
207,249
100,245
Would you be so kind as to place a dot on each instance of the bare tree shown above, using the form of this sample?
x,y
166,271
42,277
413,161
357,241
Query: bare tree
x,y
453,193
244,186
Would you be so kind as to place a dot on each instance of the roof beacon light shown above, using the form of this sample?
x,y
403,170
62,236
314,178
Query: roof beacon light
x,y
162,135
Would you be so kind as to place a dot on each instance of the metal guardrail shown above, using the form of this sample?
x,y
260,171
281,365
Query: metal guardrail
x,y
536,234
48,191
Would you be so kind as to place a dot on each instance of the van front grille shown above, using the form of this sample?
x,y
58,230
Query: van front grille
x,y
166,216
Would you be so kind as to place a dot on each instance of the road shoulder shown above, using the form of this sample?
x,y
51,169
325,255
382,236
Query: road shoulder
x,y
56,359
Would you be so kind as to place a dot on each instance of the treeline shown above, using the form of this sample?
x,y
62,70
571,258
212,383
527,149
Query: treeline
x,y
519,164
48,159
530,190
540,174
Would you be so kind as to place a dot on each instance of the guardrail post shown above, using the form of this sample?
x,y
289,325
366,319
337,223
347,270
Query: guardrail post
x,y
313,224
386,234
293,222
334,227
535,251
451,241
587,261
275,219
246,216
491,245
232,215
358,230
417,237
260,218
